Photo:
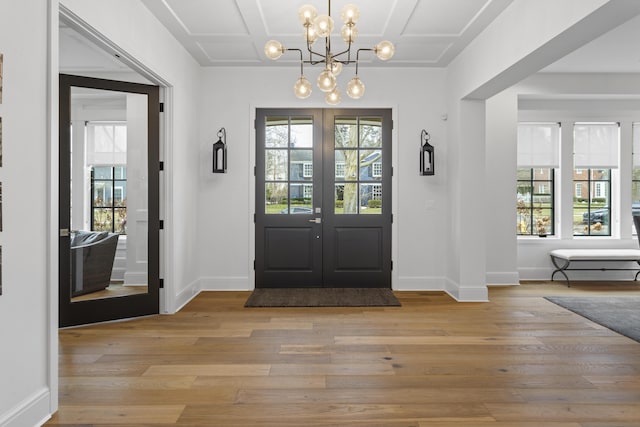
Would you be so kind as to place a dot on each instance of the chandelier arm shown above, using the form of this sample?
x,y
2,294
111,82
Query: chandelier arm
x,y
358,57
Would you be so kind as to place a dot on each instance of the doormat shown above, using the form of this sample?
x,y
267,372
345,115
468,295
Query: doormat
x,y
620,314
322,297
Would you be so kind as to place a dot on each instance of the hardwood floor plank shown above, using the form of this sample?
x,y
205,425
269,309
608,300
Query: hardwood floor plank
x,y
210,370
133,414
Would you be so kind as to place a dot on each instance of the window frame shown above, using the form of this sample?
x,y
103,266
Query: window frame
x,y
534,183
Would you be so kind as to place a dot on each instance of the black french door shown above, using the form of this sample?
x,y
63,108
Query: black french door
x,y
323,198
109,200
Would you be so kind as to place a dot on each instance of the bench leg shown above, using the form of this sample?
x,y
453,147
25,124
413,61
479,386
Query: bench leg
x,y
560,269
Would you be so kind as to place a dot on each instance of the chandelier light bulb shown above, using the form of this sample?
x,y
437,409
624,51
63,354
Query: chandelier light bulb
x,y
384,50
350,13
355,88
334,97
302,88
273,49
324,25
307,13
310,34
349,33
336,68
326,81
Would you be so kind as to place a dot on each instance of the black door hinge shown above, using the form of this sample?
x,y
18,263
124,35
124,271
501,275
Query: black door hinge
x,y
162,107
391,265
161,166
161,224
254,264
391,218
161,283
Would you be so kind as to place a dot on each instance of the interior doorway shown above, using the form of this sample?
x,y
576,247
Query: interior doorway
x,y
323,198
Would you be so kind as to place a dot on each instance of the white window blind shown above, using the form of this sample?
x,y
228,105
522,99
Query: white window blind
x,y
595,145
106,143
636,145
538,145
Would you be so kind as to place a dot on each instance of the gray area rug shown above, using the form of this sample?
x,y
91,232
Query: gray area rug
x,y
620,314
322,297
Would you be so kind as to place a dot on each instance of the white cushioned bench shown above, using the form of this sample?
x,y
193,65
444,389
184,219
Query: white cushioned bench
x,y
562,259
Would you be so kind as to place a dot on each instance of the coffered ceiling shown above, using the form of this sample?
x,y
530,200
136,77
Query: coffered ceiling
x,y
426,33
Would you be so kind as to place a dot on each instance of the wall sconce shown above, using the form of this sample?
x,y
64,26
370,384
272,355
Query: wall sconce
x,y
427,156
220,152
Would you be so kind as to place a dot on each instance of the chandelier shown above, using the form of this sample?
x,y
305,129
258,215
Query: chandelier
x,y
320,26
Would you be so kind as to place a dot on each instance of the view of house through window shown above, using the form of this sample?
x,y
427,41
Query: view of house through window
x,y
538,149
595,155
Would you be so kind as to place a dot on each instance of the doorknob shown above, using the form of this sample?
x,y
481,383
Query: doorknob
x,y
316,220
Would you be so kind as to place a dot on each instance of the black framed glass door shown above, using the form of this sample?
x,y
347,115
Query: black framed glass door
x,y
323,198
109,200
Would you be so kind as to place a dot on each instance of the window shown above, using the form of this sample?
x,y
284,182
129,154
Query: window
x,y
109,199
595,155
376,169
307,169
340,169
535,202
635,177
538,156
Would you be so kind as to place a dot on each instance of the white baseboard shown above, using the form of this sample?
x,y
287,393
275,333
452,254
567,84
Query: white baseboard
x,y
185,295
33,411
466,294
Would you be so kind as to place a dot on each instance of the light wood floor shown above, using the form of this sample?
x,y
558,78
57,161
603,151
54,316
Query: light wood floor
x,y
517,361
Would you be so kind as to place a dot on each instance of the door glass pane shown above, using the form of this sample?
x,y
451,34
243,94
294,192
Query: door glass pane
x,y
370,165
276,194
277,132
109,194
371,198
346,167
346,198
346,132
301,165
371,132
276,165
301,132
301,198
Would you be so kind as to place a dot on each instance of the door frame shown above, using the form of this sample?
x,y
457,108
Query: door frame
x,y
251,279
169,301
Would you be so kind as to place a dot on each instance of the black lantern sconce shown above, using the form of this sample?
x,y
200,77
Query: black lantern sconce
x,y
220,152
427,159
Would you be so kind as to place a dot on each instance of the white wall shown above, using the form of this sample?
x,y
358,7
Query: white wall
x,y
129,25
28,390
227,200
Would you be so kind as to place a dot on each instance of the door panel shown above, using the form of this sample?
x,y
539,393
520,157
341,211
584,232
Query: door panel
x,y
288,195
109,200
357,225
321,218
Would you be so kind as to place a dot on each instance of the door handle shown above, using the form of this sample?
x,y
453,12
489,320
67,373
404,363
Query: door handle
x,y
316,220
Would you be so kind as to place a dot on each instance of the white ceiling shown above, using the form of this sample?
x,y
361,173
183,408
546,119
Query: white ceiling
x,y
234,32
426,33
